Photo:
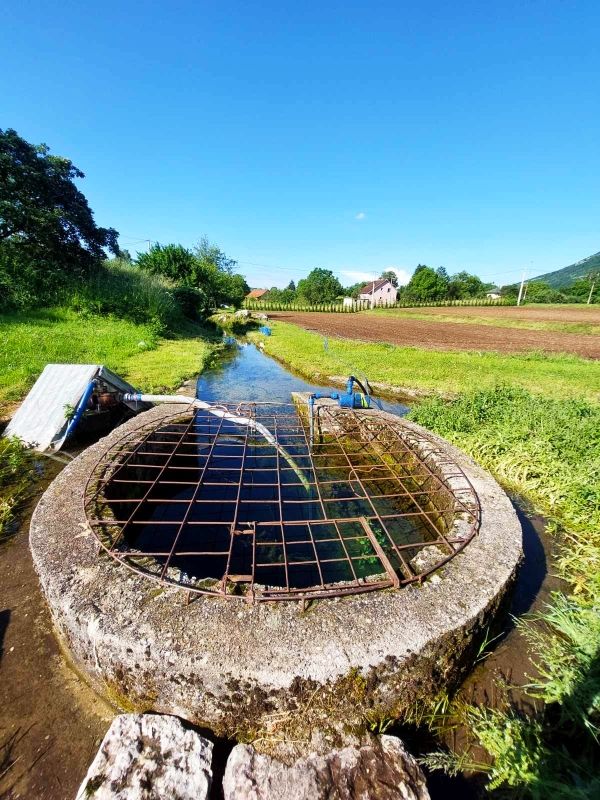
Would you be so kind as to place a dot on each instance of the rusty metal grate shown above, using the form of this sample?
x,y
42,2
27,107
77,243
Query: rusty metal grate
x,y
213,507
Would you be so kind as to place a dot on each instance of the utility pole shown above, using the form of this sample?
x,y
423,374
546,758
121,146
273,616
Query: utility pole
x,y
593,279
520,297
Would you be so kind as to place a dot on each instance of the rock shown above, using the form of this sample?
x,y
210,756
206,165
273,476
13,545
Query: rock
x,y
380,769
242,313
149,757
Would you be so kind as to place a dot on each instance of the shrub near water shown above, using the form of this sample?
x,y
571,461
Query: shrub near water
x,y
549,451
17,473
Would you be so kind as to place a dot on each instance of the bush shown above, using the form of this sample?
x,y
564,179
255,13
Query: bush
x,y
193,302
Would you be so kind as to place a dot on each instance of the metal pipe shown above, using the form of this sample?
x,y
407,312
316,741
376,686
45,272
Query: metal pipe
x,y
80,409
238,419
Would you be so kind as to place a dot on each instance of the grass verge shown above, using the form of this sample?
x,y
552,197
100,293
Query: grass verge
x,y
30,340
429,371
547,450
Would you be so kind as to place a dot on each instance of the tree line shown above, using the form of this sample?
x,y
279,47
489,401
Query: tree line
x,y
427,285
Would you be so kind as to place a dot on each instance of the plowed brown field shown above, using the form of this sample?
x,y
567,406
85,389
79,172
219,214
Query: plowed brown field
x,y
436,335
577,314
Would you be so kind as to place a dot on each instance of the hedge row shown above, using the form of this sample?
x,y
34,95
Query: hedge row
x,y
362,305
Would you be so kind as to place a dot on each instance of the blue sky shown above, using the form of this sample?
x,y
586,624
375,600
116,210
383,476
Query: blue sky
x,y
353,136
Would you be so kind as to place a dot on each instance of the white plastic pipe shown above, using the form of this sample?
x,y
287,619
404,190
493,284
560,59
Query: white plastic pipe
x,y
238,419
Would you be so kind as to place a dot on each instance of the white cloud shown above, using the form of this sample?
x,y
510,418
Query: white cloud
x,y
402,275
360,215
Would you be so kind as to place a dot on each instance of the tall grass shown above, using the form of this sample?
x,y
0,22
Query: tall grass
x,y
17,473
128,292
547,450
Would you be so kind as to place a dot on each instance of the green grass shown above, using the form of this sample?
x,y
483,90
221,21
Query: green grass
x,y
430,371
30,340
496,322
547,450
17,474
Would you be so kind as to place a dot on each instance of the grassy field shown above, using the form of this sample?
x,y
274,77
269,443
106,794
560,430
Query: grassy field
x,y
548,453
29,341
430,371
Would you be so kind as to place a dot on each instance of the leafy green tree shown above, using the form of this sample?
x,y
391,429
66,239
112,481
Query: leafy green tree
x,y
390,275
273,295
291,287
206,270
320,286
464,285
354,290
172,261
426,284
47,230
442,274
541,292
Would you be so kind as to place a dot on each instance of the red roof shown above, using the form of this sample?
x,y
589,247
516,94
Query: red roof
x,y
368,288
256,293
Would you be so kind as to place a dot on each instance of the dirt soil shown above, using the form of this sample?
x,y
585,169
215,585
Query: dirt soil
x,y
435,335
51,722
578,314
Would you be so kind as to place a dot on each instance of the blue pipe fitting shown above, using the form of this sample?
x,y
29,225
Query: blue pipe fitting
x,y
85,398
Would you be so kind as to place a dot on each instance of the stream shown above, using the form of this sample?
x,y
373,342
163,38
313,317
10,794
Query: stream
x,y
246,373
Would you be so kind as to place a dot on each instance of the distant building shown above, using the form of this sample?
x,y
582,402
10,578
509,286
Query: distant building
x,y
493,296
256,294
379,292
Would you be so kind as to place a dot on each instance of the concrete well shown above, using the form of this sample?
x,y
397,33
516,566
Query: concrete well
x,y
276,671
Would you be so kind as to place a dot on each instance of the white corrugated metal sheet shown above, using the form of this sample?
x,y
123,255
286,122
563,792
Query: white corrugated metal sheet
x,y
40,421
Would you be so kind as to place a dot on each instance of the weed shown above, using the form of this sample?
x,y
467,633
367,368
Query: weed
x,y
548,450
17,474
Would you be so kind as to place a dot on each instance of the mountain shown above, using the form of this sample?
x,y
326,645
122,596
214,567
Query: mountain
x,y
565,276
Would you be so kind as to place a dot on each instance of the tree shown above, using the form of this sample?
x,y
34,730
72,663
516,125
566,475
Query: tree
x,y
47,229
320,286
464,285
426,284
206,270
173,261
291,287
541,292
390,275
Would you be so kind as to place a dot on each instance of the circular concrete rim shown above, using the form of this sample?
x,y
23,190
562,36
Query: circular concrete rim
x,y
183,657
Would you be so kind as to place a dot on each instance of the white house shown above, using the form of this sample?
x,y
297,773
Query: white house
x,y
493,296
379,292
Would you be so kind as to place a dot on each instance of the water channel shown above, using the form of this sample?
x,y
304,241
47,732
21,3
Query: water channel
x,y
245,373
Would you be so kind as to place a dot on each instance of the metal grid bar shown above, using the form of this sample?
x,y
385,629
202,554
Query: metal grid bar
x,y
209,485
